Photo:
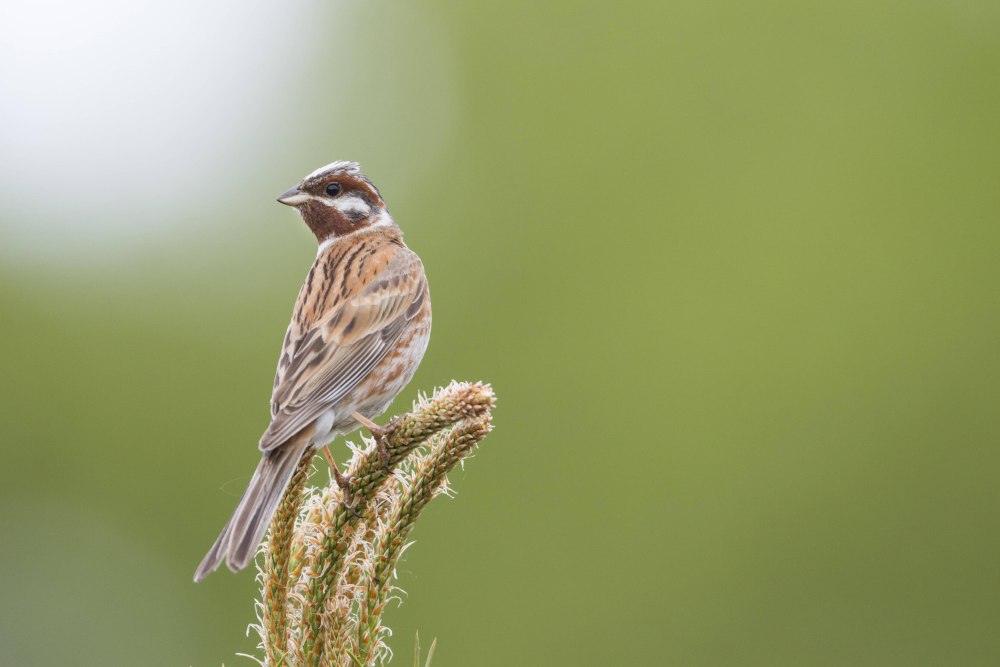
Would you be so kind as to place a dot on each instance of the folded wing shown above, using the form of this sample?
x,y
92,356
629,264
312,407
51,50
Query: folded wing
x,y
343,346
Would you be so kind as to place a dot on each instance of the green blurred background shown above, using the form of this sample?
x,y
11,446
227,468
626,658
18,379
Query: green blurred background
x,y
731,267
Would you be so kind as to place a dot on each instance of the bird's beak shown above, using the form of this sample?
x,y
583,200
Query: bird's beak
x,y
293,197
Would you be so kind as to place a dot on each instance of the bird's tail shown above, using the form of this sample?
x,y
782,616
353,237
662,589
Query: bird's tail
x,y
238,541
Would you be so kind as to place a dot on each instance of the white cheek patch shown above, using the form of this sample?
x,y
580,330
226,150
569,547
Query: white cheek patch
x,y
353,207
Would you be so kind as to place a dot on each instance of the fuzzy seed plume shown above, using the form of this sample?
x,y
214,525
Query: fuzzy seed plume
x,y
329,562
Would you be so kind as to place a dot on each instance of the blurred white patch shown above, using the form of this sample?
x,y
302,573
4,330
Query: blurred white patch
x,y
122,123
115,116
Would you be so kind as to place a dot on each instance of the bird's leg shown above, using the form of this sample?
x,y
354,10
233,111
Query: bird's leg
x,y
343,481
379,433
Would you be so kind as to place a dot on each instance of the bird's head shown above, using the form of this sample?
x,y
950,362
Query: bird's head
x,y
336,200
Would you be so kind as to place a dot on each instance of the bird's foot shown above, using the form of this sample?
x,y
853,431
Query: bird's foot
x,y
380,433
344,482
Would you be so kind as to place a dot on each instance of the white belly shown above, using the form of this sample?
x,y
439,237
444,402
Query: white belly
x,y
323,429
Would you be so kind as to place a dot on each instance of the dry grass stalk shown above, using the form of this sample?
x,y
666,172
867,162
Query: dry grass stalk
x,y
327,568
426,480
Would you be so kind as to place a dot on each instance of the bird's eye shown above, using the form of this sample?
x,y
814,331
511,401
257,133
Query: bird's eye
x,y
333,189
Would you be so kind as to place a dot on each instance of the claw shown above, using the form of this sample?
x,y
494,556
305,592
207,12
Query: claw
x,y
379,433
383,452
344,482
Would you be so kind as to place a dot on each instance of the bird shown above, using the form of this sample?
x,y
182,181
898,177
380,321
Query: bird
x,y
359,329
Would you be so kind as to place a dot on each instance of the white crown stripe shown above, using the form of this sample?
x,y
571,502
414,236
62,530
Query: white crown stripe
x,y
352,168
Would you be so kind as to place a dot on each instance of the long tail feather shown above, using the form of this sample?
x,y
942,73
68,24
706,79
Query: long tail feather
x,y
238,541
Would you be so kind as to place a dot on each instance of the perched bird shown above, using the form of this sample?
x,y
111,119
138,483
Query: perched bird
x,y
359,329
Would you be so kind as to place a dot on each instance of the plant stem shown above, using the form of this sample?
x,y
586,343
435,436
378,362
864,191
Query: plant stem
x,y
452,404
276,579
425,482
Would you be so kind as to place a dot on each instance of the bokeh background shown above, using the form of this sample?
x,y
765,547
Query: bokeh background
x,y
732,268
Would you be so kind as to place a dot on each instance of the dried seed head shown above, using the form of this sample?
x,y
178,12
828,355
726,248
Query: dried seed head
x,y
327,569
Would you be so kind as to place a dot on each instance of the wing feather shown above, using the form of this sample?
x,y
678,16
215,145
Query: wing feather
x,y
343,346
